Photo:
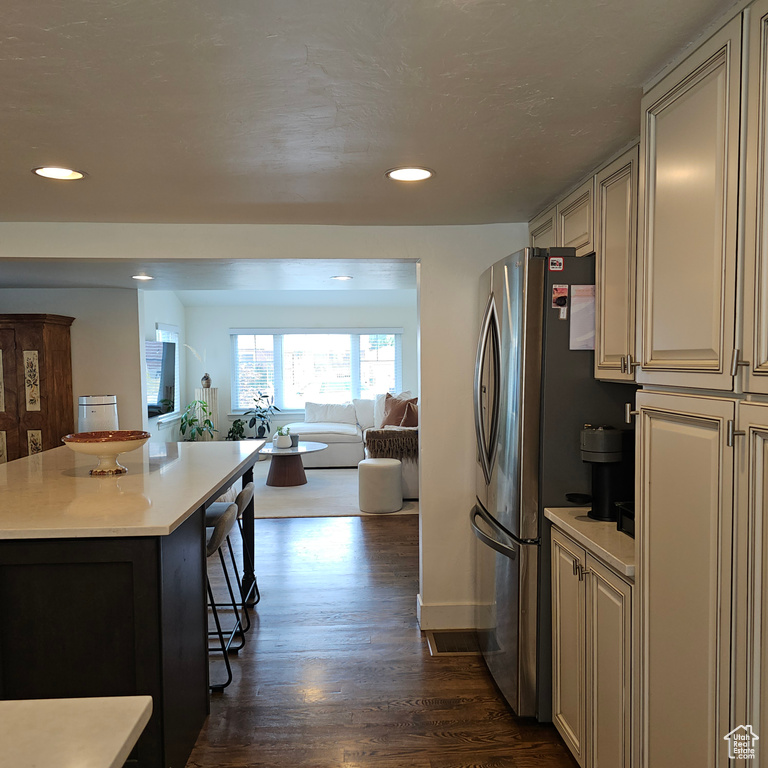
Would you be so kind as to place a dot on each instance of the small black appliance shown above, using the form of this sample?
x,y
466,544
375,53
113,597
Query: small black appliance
x,y
605,449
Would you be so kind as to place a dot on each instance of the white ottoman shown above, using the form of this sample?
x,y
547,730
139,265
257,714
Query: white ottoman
x,y
380,485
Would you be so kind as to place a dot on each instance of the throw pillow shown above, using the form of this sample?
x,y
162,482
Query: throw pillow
x,y
394,410
378,407
364,411
343,413
411,415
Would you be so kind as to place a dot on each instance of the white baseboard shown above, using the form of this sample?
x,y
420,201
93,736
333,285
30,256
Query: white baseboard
x,y
445,615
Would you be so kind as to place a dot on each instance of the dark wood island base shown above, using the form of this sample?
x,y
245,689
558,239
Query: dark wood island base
x,y
102,583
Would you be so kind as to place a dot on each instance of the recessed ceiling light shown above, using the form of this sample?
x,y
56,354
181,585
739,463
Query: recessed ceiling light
x,y
63,174
142,277
409,174
342,277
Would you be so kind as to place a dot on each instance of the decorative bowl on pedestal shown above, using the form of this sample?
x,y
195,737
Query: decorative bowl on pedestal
x,y
107,446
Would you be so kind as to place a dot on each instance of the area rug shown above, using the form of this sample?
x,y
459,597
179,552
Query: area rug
x,y
328,493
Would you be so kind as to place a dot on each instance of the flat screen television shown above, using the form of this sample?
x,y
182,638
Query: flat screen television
x,y
161,377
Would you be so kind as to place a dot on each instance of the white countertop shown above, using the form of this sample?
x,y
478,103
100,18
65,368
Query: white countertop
x,y
51,495
599,538
87,733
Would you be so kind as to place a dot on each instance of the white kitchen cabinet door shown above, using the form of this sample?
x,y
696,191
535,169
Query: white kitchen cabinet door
x,y
615,268
751,706
568,638
576,220
755,344
609,668
688,195
684,498
542,232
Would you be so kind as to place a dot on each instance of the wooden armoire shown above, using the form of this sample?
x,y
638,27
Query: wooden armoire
x,y
36,402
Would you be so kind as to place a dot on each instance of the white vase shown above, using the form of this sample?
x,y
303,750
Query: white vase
x,y
283,441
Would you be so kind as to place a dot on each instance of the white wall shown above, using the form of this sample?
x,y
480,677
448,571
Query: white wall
x,y
106,357
164,307
208,330
452,258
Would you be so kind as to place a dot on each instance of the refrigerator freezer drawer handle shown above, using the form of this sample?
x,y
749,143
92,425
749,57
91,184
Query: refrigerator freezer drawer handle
x,y
486,539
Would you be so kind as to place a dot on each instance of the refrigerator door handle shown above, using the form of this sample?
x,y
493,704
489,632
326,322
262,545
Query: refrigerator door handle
x,y
485,538
486,434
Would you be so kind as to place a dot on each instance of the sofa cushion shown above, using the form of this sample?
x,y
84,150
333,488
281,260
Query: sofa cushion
x,y
364,411
394,410
410,415
326,432
343,413
378,407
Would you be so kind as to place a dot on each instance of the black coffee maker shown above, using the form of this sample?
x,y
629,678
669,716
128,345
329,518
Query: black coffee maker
x,y
610,453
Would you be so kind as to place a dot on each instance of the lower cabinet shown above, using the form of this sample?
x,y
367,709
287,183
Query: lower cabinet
x,y
591,656
685,567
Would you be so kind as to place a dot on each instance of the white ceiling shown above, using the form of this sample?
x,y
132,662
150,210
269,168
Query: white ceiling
x,y
187,276
290,111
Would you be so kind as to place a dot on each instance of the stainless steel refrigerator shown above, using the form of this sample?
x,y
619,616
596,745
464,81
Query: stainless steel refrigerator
x,y
533,394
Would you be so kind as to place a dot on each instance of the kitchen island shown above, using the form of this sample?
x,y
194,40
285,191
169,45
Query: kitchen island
x,y
102,581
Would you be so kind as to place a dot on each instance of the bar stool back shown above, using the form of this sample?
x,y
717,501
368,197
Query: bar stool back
x,y
212,514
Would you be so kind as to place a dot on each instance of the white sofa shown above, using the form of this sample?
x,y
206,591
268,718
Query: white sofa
x,y
340,427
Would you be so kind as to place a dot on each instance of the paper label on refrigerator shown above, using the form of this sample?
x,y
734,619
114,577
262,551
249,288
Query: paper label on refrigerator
x,y
555,263
559,296
582,331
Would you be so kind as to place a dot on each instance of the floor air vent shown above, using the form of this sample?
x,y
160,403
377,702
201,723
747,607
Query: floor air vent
x,y
462,642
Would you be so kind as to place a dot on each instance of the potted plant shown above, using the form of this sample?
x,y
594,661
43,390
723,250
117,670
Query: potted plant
x,y
196,420
283,437
261,413
236,431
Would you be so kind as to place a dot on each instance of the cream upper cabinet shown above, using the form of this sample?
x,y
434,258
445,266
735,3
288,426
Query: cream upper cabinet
x,y
568,644
575,219
684,508
542,232
616,264
755,344
688,194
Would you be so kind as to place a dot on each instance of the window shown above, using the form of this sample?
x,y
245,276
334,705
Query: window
x,y
317,366
165,333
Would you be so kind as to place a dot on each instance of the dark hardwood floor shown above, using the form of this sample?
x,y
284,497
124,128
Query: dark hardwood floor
x,y
335,671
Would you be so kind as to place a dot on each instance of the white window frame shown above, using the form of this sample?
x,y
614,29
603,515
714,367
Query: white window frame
x,y
277,337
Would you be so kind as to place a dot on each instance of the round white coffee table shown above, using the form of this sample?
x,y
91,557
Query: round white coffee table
x,y
286,468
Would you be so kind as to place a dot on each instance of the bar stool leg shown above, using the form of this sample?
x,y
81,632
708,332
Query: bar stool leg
x,y
218,687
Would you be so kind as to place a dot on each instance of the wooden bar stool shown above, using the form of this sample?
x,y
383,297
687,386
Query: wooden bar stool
x,y
215,538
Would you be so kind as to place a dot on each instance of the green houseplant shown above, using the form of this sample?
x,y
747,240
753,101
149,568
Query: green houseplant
x,y
283,437
196,421
236,431
262,413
